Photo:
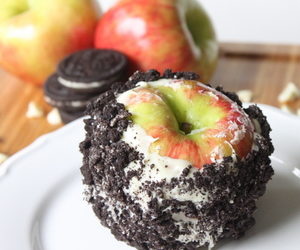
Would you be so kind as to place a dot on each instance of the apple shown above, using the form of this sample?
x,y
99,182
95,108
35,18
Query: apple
x,y
36,34
175,34
190,121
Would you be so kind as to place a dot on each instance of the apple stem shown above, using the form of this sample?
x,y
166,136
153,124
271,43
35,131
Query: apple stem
x,y
186,127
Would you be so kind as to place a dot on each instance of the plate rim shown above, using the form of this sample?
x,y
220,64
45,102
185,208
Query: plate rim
x,y
38,142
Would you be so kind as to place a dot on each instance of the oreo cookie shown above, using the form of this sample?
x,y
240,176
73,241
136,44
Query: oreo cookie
x,y
82,76
92,70
65,98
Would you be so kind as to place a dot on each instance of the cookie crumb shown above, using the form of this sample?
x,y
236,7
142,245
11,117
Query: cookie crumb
x,y
3,158
245,95
287,109
53,117
289,94
34,110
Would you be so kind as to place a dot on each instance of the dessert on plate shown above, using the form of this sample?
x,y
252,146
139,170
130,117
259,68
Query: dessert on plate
x,y
171,163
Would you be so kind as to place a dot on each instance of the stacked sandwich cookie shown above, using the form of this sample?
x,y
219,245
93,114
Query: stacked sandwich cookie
x,y
82,76
170,163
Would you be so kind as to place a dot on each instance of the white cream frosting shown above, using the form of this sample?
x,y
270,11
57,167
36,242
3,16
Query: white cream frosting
x,y
137,138
157,168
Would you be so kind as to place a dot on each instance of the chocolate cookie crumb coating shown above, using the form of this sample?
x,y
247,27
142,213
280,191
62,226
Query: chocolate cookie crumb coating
x,y
167,223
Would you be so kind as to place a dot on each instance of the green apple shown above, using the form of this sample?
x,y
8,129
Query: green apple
x,y
36,34
217,127
160,34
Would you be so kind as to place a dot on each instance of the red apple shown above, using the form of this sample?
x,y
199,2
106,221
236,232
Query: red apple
x,y
36,34
160,34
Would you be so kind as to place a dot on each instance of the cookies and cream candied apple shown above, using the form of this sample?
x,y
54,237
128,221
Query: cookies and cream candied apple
x,y
171,163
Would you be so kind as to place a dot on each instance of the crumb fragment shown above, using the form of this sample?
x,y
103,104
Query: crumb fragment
x,y
34,110
289,94
53,117
245,95
287,109
289,99
3,157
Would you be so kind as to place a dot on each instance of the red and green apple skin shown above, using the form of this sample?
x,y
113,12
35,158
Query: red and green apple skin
x,y
160,34
36,34
219,127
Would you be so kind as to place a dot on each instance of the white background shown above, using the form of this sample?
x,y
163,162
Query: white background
x,y
273,21
260,21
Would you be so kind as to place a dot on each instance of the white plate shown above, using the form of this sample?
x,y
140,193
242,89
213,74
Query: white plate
x,y
41,204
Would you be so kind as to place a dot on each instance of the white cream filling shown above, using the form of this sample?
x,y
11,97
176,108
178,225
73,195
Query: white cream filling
x,y
80,85
74,104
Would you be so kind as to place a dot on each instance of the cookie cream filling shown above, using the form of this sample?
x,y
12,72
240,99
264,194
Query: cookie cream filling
x,y
86,85
73,104
80,85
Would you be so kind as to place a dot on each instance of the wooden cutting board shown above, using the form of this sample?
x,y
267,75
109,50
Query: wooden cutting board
x,y
264,69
